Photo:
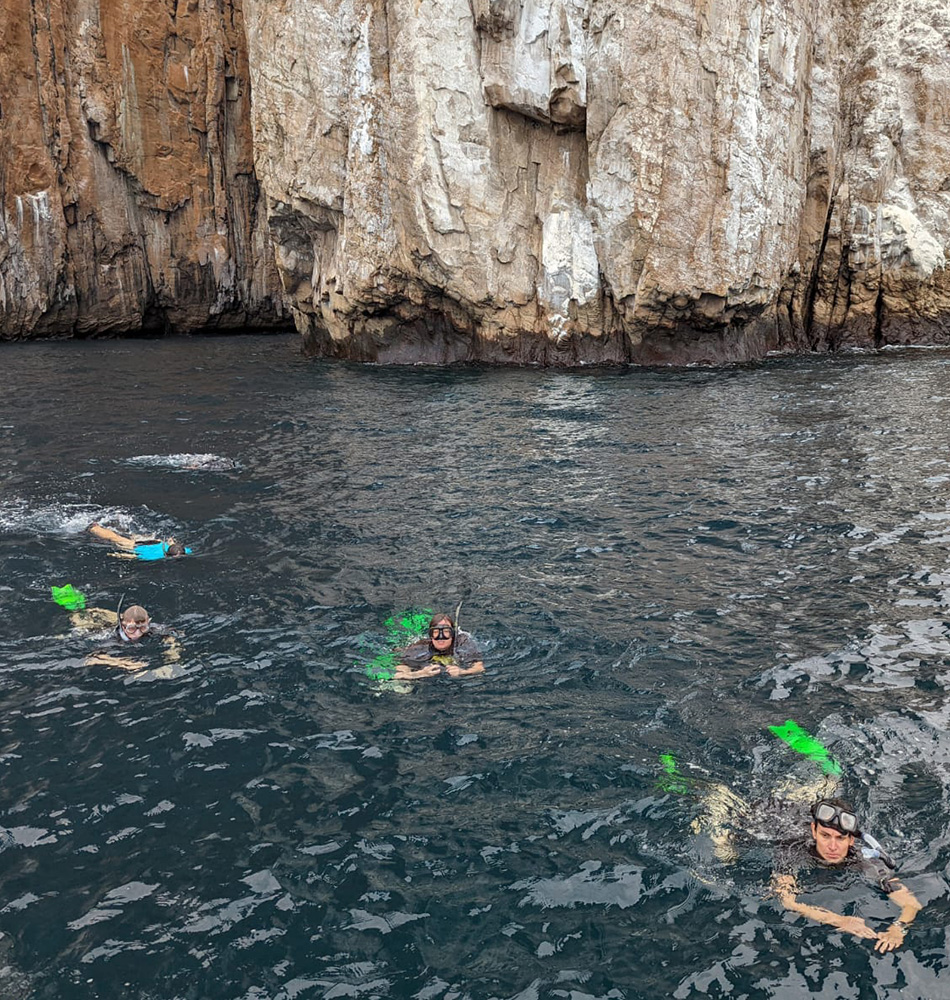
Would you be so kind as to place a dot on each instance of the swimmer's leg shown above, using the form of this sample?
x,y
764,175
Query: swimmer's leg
x,y
94,619
722,809
108,535
822,786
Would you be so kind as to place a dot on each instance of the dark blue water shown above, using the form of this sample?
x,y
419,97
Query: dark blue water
x,y
653,562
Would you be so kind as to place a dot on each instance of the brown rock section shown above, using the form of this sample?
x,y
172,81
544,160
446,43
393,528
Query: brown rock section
x,y
128,198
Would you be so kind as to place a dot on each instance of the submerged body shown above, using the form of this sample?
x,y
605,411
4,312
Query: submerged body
x,y
836,843
444,650
139,547
125,635
832,841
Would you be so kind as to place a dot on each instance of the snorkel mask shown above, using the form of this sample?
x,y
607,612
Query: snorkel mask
x,y
442,629
828,813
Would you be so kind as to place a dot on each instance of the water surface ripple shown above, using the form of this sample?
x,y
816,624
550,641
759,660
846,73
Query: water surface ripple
x,y
654,562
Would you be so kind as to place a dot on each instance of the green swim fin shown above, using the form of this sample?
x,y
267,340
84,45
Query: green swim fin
x,y
68,597
791,732
672,781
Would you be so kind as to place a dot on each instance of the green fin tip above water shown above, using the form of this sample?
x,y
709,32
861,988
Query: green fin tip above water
x,y
672,781
68,597
791,733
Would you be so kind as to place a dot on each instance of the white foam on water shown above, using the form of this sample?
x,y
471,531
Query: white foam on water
x,y
19,516
185,462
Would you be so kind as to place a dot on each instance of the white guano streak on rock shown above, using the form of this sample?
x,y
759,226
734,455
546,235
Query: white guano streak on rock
x,y
531,72
437,46
571,272
903,231
361,137
746,170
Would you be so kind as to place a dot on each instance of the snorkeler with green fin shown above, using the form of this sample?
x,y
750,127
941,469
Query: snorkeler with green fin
x,y
121,629
832,839
422,644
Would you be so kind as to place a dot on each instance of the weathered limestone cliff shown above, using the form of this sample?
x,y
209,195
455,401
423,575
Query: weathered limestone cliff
x,y
598,179
524,180
128,198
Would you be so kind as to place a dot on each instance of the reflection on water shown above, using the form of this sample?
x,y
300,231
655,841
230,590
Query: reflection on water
x,y
654,562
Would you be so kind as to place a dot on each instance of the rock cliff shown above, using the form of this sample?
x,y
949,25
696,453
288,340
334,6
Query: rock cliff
x,y
515,180
128,197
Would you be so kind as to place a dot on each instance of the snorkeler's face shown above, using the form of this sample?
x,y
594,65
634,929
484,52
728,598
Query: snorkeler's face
x,y
441,637
832,845
135,630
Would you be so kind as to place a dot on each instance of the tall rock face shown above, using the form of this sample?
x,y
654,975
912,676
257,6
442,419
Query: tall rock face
x,y
128,197
514,180
570,180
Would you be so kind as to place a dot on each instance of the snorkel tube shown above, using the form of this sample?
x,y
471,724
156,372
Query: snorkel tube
x,y
123,635
455,627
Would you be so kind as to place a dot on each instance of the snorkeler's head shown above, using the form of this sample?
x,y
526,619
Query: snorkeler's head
x,y
134,622
441,633
175,549
836,813
834,827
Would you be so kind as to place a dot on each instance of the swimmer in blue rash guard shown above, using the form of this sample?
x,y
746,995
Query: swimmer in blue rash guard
x,y
137,547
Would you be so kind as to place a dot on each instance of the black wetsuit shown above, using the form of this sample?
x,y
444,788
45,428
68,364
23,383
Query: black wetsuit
x,y
791,857
113,641
420,654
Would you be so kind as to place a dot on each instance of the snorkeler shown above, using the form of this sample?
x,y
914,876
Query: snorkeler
x,y
138,546
836,842
445,649
131,627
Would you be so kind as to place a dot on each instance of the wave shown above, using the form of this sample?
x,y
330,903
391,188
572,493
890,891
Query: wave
x,y
55,518
185,462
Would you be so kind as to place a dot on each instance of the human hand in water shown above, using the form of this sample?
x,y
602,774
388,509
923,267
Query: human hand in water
x,y
890,939
406,673
855,926
454,670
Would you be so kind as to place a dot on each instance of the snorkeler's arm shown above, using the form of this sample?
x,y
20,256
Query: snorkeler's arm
x,y
910,906
786,888
405,673
172,651
454,670
108,660
466,651
93,619
108,535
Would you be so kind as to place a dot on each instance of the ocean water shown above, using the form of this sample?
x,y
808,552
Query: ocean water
x,y
653,562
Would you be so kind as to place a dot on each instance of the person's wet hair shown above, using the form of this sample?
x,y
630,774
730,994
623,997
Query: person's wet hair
x,y
175,549
134,613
